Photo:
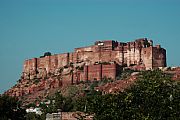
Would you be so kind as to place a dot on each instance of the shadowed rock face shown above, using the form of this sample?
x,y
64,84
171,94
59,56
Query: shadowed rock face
x,y
103,59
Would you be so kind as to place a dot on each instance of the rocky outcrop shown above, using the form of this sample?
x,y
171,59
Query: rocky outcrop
x,y
117,86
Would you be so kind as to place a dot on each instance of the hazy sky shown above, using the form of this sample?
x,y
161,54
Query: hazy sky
x,y
28,28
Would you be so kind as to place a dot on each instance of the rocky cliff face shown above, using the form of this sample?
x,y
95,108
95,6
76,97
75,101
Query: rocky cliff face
x,y
43,82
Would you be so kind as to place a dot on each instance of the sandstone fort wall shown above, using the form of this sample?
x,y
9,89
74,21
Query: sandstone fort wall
x,y
139,52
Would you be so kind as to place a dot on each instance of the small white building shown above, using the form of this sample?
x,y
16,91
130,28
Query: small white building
x,y
34,110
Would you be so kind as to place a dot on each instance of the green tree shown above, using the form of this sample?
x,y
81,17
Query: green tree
x,y
47,54
58,101
33,116
153,97
10,108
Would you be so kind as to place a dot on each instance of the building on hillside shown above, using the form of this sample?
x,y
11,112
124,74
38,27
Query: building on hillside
x,y
97,61
34,110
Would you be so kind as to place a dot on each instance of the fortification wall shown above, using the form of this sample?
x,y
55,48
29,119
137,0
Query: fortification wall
x,y
95,72
159,57
147,57
63,59
109,71
138,52
99,71
86,49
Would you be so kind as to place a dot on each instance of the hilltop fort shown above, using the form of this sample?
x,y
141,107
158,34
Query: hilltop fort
x,y
103,59
140,52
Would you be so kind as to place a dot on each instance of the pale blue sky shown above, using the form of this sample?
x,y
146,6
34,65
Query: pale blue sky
x,y
28,28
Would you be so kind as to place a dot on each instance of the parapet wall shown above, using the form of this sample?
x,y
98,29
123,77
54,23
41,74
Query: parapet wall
x,y
100,71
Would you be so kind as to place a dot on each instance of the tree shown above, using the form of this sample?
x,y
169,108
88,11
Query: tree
x,y
58,101
47,54
10,108
154,97
33,116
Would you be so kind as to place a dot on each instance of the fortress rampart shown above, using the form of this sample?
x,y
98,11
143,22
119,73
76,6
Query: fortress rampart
x,y
139,52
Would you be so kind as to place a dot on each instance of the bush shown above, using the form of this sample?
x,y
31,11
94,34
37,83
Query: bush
x,y
125,74
46,54
31,105
36,81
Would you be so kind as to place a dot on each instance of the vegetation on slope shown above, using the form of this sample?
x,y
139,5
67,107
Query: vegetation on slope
x,y
154,96
10,109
